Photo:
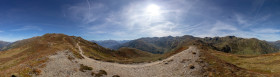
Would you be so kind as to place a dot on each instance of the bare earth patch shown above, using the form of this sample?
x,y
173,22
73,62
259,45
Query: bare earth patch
x,y
60,65
183,64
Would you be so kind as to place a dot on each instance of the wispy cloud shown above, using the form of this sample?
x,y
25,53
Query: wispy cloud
x,y
1,31
24,28
131,19
266,31
220,26
241,20
176,17
86,13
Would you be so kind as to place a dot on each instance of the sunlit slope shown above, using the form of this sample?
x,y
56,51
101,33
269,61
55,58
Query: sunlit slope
x,y
218,67
25,56
268,64
236,45
22,57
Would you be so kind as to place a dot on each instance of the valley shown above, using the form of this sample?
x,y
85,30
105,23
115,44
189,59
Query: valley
x,y
60,55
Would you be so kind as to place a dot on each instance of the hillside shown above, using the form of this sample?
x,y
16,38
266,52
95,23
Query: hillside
x,y
236,45
112,44
266,64
157,45
228,44
59,55
24,57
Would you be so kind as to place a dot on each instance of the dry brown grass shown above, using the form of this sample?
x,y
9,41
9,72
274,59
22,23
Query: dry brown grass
x,y
218,67
36,71
265,64
27,54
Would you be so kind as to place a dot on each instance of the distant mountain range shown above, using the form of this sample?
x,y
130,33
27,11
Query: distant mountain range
x,y
157,45
3,43
228,44
59,54
112,44
276,43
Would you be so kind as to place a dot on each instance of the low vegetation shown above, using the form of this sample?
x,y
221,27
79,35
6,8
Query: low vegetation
x,y
22,58
100,73
236,45
84,68
115,76
36,71
265,64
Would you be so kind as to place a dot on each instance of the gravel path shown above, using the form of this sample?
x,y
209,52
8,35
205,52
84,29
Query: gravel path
x,y
174,66
60,66
182,64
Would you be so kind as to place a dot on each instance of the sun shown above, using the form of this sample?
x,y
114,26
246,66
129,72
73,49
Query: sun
x,y
153,10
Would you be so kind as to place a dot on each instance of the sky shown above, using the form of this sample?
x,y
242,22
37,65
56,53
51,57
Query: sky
x,y
132,19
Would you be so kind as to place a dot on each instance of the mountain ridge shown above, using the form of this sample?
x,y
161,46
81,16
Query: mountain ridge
x,y
25,56
112,44
229,44
51,54
3,44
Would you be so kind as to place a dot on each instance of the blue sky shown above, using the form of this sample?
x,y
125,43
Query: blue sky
x,y
131,19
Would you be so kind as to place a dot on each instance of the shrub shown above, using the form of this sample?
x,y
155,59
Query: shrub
x,y
83,68
193,52
71,58
36,71
184,61
100,73
13,76
103,72
191,66
92,74
116,76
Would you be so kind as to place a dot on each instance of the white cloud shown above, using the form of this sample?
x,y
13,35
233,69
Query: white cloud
x,y
1,31
131,19
266,30
24,28
87,12
176,17
220,26
240,19
247,21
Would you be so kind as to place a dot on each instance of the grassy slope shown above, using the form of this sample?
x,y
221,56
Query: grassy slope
x,y
26,55
23,57
235,45
265,64
124,55
217,67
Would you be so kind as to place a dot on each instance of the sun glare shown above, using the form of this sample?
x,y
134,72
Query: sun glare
x,y
153,10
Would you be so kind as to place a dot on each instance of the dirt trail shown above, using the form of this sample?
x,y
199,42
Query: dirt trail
x,y
177,65
183,64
